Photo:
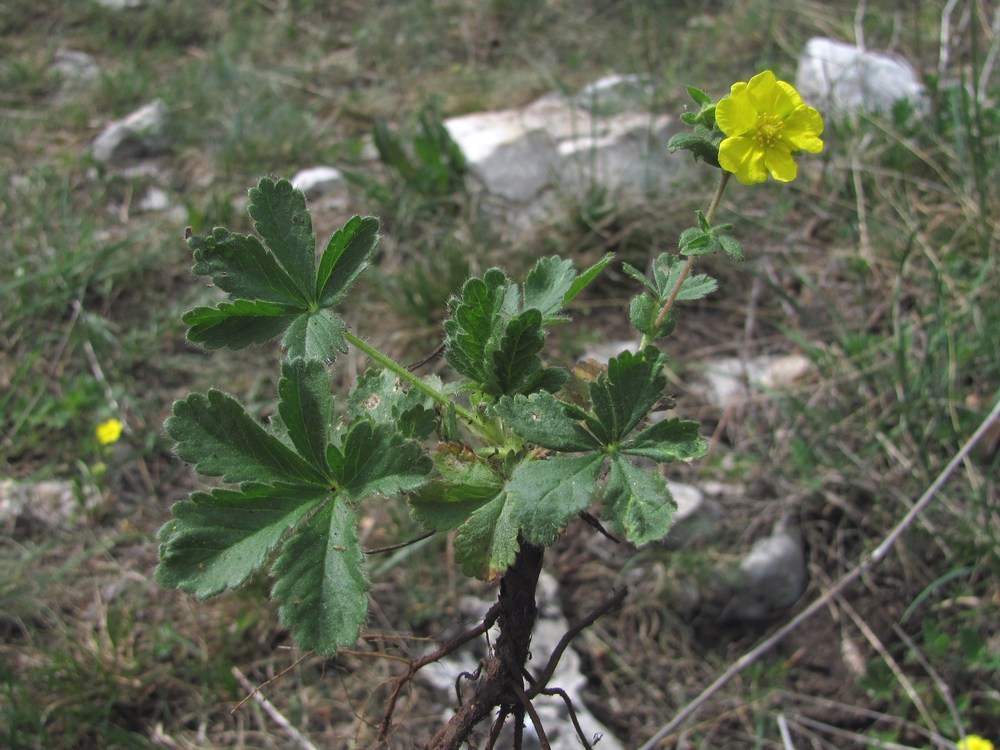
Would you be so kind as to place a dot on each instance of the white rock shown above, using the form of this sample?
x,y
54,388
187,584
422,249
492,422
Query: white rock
x,y
316,181
603,352
616,94
771,577
48,504
728,380
834,76
75,67
155,199
695,518
141,134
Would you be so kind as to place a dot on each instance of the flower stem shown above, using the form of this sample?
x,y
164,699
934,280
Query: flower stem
x,y
390,364
686,270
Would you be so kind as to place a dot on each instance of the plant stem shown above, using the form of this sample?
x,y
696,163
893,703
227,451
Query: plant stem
x,y
390,364
668,305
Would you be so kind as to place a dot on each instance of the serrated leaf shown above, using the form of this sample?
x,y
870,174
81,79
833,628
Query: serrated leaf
x,y
638,275
732,246
320,581
242,267
345,258
703,147
696,242
379,396
376,460
217,540
476,325
216,434
637,503
550,379
699,96
516,359
583,280
669,440
547,285
306,408
698,286
623,396
543,420
237,324
316,335
464,483
280,217
536,504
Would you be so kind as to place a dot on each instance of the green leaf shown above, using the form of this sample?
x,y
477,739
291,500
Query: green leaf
x,y
464,483
547,285
320,581
516,359
280,217
306,408
639,276
669,440
318,335
696,241
345,258
625,394
476,324
703,146
375,459
697,287
218,540
637,502
537,503
216,434
732,246
699,96
643,312
543,420
582,281
242,267
237,324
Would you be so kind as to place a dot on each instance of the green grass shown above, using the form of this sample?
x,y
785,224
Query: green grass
x,y
880,264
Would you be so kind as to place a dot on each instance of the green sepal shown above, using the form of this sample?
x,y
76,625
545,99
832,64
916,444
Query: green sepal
x,y
637,502
668,440
624,395
316,335
320,581
217,540
306,409
545,421
702,143
215,433
346,256
375,459
536,504
238,324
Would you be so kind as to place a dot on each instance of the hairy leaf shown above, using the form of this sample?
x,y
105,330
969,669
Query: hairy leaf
x,y
669,440
625,394
547,284
345,258
544,420
306,408
244,268
582,281
320,581
376,459
216,434
218,540
318,335
464,482
238,324
476,325
280,217
637,502
516,360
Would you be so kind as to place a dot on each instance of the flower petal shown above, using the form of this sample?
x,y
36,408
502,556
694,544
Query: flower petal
x,y
743,158
802,130
736,114
780,164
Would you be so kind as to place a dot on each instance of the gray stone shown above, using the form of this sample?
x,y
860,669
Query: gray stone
x,y
46,504
696,516
770,578
155,199
75,68
838,77
616,94
141,134
727,381
317,181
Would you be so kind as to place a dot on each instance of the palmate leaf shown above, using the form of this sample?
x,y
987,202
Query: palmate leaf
x,y
476,324
320,581
376,459
276,287
624,395
516,362
464,483
379,396
544,420
669,440
637,502
306,408
218,540
536,504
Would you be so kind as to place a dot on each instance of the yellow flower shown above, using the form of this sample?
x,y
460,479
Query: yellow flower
x,y
108,432
975,742
765,121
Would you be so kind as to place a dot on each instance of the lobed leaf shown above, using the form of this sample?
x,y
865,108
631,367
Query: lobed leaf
x,y
544,420
669,440
376,459
623,396
242,267
345,258
280,217
216,434
238,324
217,540
637,503
320,581
516,360
582,281
315,335
476,324
306,408
547,284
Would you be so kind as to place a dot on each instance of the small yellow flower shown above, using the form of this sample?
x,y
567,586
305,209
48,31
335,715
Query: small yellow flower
x,y
765,121
108,432
975,742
